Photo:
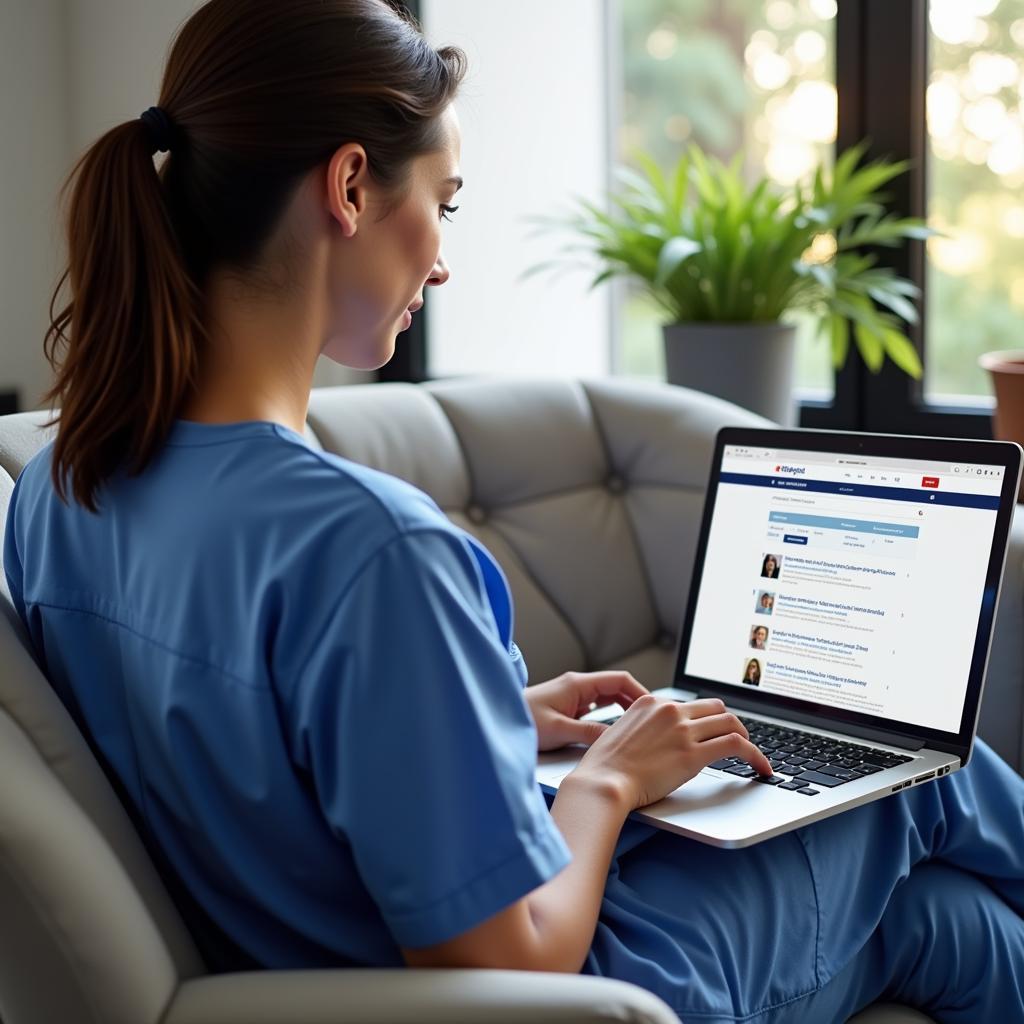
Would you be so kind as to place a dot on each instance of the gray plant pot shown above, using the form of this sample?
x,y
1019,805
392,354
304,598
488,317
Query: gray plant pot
x,y
749,364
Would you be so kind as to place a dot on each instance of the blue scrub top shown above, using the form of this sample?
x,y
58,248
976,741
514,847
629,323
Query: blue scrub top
x,y
303,676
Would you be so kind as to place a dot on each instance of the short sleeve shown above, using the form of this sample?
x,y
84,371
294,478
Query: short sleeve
x,y
410,717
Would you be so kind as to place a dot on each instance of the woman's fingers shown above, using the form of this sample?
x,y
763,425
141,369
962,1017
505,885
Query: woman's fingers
x,y
613,688
705,706
718,725
734,745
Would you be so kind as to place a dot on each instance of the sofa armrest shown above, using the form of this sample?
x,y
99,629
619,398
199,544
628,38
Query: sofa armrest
x,y
412,996
1001,724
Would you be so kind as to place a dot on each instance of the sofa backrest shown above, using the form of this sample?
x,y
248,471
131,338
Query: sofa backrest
x,y
588,493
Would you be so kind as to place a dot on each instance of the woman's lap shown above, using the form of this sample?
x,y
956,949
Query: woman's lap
x,y
754,933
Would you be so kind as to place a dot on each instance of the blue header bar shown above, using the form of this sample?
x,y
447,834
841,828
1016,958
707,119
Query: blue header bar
x,y
842,523
920,496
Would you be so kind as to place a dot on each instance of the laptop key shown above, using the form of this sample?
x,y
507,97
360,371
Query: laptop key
x,y
743,770
770,780
790,769
791,785
866,769
819,779
723,763
807,791
881,759
812,765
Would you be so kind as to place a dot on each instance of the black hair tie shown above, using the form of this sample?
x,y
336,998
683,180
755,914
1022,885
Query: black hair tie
x,y
161,129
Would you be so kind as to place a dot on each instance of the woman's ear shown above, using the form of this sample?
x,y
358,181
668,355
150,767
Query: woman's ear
x,y
346,186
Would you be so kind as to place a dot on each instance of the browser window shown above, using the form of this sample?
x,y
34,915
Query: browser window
x,y
850,581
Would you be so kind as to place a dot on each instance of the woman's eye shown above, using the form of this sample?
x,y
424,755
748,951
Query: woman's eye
x,y
446,210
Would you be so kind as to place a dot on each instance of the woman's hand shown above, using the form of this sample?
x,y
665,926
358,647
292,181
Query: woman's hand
x,y
557,705
658,744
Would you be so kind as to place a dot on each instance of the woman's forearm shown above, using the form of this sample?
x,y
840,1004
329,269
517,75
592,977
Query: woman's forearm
x,y
589,813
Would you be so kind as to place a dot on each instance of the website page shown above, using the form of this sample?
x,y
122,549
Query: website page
x,y
849,581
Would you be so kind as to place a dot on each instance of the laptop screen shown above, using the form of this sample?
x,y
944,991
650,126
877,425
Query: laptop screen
x,y
853,582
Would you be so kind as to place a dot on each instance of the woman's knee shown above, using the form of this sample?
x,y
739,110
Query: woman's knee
x,y
950,942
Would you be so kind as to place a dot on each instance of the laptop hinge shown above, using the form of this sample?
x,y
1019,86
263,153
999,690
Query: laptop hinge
x,y
894,739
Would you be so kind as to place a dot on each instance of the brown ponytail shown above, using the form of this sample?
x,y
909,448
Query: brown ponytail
x,y
259,92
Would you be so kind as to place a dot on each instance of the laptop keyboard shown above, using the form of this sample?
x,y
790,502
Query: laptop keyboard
x,y
802,760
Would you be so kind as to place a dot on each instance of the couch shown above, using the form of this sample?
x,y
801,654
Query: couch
x,y
588,493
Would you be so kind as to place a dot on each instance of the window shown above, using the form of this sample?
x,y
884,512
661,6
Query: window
x,y
788,83
732,76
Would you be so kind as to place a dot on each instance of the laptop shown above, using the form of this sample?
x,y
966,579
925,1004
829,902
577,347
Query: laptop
x,y
841,605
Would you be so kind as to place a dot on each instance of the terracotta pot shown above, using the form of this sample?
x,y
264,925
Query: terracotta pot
x,y
1007,370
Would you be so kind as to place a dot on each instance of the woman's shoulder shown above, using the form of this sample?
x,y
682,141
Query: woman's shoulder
x,y
352,491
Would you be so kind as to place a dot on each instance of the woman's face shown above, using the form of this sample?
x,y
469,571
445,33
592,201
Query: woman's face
x,y
760,635
769,564
378,268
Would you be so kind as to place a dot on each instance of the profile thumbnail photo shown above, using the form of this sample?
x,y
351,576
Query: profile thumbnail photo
x,y
759,637
770,566
752,672
764,603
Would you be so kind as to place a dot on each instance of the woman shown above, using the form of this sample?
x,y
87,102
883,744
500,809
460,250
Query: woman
x,y
279,640
759,637
770,567
752,674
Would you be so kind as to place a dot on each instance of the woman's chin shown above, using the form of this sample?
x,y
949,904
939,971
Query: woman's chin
x,y
361,357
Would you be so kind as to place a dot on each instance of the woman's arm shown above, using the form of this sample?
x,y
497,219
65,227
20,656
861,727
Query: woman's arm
x,y
550,929
656,746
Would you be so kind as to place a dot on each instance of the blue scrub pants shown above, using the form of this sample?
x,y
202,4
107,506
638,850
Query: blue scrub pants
x,y
916,898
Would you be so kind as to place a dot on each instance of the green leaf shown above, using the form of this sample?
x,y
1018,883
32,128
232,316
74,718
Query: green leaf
x,y
673,253
900,349
603,276
870,345
899,305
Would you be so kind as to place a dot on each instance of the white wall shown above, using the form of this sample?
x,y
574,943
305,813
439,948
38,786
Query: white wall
x,y
34,127
533,117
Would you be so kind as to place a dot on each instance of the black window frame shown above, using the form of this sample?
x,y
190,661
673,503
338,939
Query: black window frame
x,y
409,363
881,79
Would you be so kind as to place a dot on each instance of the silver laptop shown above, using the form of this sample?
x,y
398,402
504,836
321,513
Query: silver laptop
x,y
842,601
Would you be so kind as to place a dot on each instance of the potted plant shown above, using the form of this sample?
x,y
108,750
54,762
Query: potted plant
x,y
728,263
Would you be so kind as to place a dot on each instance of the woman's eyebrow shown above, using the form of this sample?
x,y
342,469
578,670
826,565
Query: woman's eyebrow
x,y
456,180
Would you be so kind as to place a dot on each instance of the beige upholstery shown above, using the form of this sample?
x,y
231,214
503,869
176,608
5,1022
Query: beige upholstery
x,y
588,493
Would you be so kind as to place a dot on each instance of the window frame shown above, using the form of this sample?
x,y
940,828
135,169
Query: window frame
x,y
881,79
409,363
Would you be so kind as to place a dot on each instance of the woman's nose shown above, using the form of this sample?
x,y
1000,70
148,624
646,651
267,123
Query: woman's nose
x,y
440,273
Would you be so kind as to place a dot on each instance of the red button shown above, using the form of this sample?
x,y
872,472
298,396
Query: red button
x,y
929,481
